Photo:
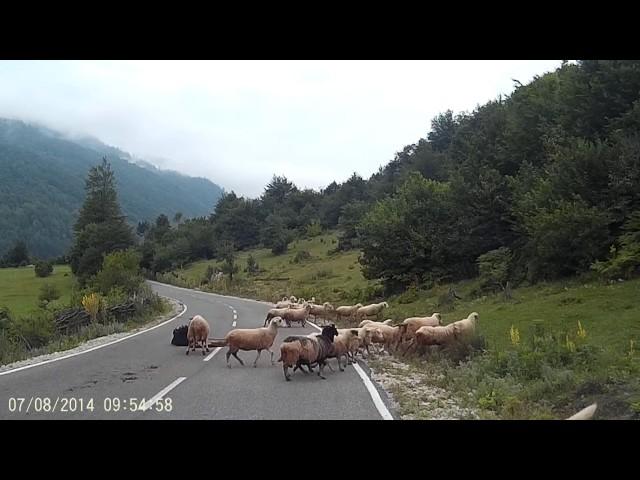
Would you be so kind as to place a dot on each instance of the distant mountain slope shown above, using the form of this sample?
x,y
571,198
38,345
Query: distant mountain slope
x,y
42,176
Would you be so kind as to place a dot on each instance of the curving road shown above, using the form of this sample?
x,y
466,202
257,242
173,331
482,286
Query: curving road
x,y
145,366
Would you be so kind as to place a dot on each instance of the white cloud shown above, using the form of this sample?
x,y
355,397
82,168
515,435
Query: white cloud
x,y
239,122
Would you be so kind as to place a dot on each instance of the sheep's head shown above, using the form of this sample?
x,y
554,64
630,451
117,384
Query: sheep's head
x,y
474,316
385,304
277,321
439,317
359,305
377,335
330,332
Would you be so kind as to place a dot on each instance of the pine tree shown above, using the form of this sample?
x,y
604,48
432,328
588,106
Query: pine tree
x,y
101,227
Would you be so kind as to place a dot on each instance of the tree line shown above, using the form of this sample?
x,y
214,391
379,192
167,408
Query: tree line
x,y
538,185
542,184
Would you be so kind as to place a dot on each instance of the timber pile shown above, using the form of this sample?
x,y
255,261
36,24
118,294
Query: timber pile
x,y
74,318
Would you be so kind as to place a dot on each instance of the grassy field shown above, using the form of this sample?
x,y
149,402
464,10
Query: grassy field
x,y
547,379
330,277
19,287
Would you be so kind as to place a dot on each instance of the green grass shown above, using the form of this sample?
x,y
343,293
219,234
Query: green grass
x,y
331,278
19,287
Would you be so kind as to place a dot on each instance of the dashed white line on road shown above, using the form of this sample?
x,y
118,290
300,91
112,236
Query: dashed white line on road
x,y
163,392
210,356
233,324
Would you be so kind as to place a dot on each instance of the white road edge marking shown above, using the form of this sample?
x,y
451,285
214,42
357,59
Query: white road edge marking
x,y
163,392
373,393
96,347
210,356
233,324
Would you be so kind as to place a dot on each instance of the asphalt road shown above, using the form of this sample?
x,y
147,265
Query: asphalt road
x,y
192,386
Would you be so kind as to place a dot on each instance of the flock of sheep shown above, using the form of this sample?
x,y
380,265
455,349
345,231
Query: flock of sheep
x,y
314,350
299,351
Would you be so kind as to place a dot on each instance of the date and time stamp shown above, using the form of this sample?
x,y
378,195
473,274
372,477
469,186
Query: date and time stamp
x,y
19,405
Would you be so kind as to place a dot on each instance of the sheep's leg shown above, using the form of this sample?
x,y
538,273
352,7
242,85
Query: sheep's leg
x,y
235,354
271,352
228,356
321,367
255,363
285,369
330,367
340,364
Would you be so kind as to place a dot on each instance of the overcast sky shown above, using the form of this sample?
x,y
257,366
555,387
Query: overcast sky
x,y
239,122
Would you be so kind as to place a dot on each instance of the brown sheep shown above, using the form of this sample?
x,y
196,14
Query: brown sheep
x,y
297,315
249,339
198,334
297,350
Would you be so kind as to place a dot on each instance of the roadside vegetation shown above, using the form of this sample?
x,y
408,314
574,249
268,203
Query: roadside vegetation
x,y
46,308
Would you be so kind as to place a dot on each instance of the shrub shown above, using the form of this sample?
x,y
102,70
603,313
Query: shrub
x,y
48,293
35,330
301,256
252,266
314,229
494,268
43,269
119,269
624,260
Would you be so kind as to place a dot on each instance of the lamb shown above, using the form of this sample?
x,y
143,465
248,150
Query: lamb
x,y
299,350
347,311
274,312
198,333
249,339
297,315
411,324
373,309
293,299
585,413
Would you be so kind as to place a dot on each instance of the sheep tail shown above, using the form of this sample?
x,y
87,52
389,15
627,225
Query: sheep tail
x,y
217,342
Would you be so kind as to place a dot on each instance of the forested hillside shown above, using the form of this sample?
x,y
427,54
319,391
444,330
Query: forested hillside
x,y
42,186
542,184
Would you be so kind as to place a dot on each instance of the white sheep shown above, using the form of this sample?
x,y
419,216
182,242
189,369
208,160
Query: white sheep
x,y
347,311
198,334
464,329
249,339
411,324
373,309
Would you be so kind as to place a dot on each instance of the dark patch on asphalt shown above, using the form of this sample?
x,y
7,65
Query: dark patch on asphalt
x,y
129,378
89,384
